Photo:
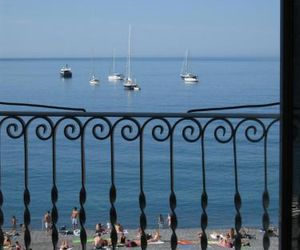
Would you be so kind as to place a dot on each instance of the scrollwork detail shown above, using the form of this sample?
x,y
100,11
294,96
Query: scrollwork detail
x,y
16,127
128,132
72,131
159,132
101,130
192,132
43,130
251,131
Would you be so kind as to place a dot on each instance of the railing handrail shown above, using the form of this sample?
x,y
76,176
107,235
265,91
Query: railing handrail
x,y
142,114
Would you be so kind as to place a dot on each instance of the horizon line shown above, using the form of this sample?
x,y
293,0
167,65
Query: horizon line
x,y
144,57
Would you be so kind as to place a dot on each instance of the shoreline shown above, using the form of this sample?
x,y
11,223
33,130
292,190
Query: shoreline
x,y
42,239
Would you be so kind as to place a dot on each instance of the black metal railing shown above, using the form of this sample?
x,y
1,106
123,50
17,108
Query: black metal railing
x,y
163,127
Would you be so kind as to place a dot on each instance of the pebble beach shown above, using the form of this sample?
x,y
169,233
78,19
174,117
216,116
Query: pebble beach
x,y
189,238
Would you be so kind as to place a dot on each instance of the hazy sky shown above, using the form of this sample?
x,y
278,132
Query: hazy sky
x,y
60,28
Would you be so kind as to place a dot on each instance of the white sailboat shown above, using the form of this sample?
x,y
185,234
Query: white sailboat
x,y
94,80
115,76
186,74
130,83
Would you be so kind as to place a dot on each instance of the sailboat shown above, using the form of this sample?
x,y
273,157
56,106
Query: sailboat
x,y
94,80
129,83
186,75
115,76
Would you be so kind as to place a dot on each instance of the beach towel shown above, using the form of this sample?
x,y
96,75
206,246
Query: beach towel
x,y
184,242
156,242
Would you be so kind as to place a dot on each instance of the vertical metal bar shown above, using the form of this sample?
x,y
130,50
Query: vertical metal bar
x,y
172,199
204,199
26,194
142,198
113,195
1,196
82,194
287,130
265,198
237,199
54,194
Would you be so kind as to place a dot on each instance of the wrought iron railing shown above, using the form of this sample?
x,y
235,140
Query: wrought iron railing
x,y
163,127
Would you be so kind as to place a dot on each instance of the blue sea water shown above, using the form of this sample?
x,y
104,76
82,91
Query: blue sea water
x,y
223,82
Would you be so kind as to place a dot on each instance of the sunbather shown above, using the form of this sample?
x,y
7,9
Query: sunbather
x,y
156,237
99,242
64,245
7,242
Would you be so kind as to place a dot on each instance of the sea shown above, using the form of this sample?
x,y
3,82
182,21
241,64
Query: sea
x,y
222,82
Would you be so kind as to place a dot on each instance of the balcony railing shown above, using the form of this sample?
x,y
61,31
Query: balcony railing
x,y
115,128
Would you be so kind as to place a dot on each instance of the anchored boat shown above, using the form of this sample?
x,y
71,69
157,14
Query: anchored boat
x,y
66,71
129,83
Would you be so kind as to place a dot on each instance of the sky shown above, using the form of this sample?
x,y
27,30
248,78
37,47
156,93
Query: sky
x,y
81,28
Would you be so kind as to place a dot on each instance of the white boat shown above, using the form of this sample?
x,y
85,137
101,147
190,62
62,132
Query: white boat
x,y
115,76
186,74
129,83
190,78
66,71
94,80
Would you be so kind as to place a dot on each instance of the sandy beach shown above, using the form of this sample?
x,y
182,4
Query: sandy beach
x,y
42,240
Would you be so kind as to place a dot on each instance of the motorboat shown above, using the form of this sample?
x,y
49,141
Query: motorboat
x,y
66,71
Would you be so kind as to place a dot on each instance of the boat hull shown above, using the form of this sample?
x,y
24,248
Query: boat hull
x,y
66,74
115,77
190,79
94,82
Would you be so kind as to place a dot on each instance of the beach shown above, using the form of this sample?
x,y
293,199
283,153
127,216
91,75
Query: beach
x,y
42,240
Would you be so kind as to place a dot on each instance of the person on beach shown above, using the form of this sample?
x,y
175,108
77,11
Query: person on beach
x,y
156,237
99,242
64,245
160,221
132,243
99,229
139,233
119,228
18,246
228,240
169,220
123,238
14,223
47,221
108,226
74,218
7,242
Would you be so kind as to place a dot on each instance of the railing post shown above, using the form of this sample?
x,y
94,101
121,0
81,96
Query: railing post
x,y
1,195
26,194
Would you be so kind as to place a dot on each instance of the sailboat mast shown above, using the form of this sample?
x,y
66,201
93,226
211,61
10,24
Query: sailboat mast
x,y
129,52
186,61
113,62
